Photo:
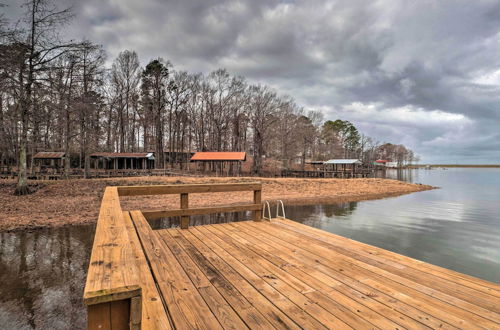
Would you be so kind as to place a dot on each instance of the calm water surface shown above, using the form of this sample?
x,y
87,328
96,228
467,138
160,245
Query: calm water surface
x,y
42,272
456,226
42,276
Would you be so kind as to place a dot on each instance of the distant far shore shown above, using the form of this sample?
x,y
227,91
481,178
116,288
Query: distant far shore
x,y
460,165
73,202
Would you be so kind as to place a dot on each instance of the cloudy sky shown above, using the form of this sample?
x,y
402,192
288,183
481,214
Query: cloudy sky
x,y
425,73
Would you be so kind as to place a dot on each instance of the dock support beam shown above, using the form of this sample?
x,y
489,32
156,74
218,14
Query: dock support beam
x,y
184,205
257,199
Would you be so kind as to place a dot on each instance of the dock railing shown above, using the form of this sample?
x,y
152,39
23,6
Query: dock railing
x,y
119,278
184,190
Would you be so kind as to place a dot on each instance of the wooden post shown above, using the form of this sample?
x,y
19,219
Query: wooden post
x,y
184,205
257,199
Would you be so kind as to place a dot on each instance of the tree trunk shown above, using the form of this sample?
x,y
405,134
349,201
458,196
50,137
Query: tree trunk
x,y
22,179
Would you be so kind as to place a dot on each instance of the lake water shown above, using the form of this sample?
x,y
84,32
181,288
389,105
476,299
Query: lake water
x,y
456,226
42,272
42,276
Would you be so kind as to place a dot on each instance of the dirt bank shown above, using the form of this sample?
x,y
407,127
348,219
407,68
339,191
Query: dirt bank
x,y
70,202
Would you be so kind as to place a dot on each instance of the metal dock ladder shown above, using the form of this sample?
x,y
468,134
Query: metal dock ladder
x,y
267,208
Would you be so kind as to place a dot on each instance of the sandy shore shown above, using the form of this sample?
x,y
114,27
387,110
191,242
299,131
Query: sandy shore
x,y
73,202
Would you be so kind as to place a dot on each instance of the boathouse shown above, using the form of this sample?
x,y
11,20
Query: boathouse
x,y
221,162
122,160
343,167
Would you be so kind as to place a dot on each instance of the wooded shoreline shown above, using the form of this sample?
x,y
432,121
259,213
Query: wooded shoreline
x,y
75,202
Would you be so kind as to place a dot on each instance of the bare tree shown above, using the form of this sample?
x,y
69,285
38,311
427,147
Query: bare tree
x,y
178,94
42,46
154,85
126,77
263,104
90,64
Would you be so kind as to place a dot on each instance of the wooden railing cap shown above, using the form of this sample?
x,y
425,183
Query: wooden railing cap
x,y
187,188
113,294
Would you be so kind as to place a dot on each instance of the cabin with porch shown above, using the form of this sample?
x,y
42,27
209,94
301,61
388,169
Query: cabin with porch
x,y
49,162
122,160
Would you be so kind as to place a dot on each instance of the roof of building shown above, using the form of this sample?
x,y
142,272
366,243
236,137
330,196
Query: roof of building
x,y
123,155
49,155
382,161
343,161
219,156
176,151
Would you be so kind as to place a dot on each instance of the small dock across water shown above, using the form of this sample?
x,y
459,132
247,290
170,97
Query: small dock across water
x,y
263,274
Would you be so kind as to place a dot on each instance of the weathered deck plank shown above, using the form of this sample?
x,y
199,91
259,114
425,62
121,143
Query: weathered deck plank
x,y
285,283
325,288
154,314
261,296
252,317
332,281
475,302
307,314
215,301
426,298
479,295
184,302
387,256
328,280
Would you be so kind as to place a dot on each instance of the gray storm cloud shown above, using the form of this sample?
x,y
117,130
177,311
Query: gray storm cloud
x,y
424,73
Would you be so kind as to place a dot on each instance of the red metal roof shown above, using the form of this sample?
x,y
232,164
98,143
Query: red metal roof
x,y
121,154
48,155
381,161
219,156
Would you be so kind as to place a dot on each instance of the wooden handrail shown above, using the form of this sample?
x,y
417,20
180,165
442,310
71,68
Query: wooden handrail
x,y
186,188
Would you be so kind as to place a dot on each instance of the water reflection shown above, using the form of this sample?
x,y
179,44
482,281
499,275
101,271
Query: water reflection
x,y
198,220
317,213
42,276
396,174
340,209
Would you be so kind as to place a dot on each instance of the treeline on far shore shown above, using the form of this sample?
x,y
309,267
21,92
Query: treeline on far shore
x,y
58,95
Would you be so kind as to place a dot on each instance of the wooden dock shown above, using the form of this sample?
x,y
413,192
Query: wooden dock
x,y
348,174
264,274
